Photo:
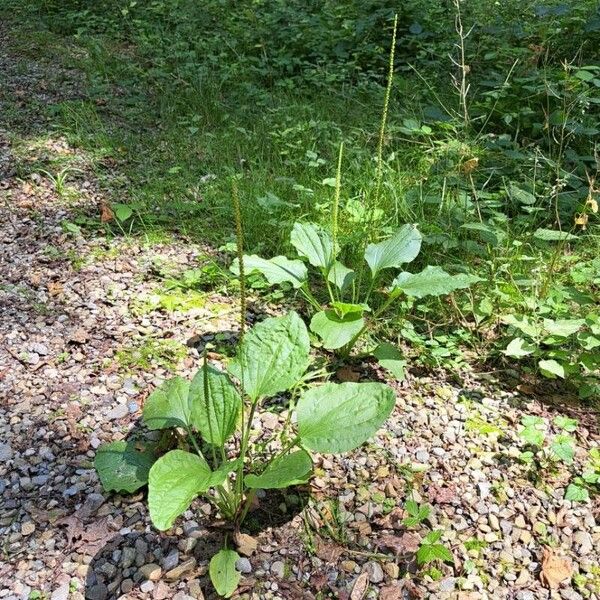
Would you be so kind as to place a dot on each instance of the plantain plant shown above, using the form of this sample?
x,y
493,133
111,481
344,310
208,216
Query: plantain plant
x,y
211,418
344,312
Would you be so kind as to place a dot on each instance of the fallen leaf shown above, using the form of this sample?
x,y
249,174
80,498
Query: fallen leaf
x,y
401,545
360,587
79,336
328,551
55,288
555,569
391,592
245,543
106,213
88,538
318,581
469,166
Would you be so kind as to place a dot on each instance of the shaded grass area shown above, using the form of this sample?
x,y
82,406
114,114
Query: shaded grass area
x,y
166,141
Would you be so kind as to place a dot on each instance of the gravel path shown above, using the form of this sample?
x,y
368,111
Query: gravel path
x,y
78,319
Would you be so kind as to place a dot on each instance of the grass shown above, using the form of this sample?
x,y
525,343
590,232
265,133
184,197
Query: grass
x,y
166,134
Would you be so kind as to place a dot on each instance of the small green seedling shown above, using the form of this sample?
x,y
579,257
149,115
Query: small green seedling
x,y
431,550
416,513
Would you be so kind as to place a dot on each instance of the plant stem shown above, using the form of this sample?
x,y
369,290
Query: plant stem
x,y
239,233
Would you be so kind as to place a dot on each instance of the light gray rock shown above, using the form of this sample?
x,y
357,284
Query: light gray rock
x,y
243,566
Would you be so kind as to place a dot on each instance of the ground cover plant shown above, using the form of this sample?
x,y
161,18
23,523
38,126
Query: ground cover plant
x,y
208,411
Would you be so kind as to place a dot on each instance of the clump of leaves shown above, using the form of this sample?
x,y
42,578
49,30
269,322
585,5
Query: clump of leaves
x,y
561,348
544,451
346,314
213,417
560,447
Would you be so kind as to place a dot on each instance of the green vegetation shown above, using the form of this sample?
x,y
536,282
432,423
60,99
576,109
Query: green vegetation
x,y
272,358
354,138
488,143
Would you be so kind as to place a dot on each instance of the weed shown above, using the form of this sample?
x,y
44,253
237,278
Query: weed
x,y
149,352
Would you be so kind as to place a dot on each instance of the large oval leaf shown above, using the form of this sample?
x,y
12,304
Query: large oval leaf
x,y
314,243
340,417
431,281
403,247
175,480
223,574
123,466
336,331
168,406
214,416
286,470
278,269
273,356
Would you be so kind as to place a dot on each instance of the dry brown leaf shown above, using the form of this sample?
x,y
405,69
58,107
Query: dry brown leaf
x,y
391,592
106,213
360,587
555,569
469,166
328,551
581,219
318,581
400,545
592,205
55,288
442,495
88,538
79,336
245,543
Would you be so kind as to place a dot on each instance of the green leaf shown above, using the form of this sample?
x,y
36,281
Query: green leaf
x,y
123,467
534,431
518,348
566,423
433,536
563,447
219,475
576,493
340,276
521,196
273,356
412,507
214,417
335,418
391,359
551,368
523,324
286,470
168,406
223,574
314,243
563,327
276,270
344,309
552,235
403,247
336,331
175,480
431,281
429,552
122,211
